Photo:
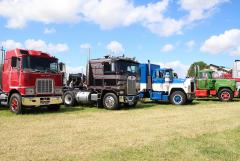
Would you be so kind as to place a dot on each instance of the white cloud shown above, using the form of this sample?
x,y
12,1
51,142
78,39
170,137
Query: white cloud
x,y
115,47
85,46
11,44
19,12
107,14
57,48
49,30
46,47
228,42
178,67
190,44
167,48
33,44
199,9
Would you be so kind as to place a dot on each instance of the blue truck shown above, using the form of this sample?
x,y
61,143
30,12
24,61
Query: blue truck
x,y
161,84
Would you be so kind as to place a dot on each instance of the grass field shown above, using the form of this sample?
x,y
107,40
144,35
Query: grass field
x,y
206,130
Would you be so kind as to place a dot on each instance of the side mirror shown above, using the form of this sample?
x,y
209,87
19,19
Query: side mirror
x,y
175,75
62,67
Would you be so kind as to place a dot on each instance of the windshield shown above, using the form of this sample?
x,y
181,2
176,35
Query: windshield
x,y
40,64
206,75
169,73
125,66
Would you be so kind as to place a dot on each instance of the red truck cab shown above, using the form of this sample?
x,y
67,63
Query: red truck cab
x,y
30,78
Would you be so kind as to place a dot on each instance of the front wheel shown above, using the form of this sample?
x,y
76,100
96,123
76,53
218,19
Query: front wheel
x,y
178,98
15,103
110,101
225,95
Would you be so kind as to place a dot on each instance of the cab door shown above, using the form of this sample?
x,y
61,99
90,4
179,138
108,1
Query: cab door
x,y
202,81
158,80
211,81
15,72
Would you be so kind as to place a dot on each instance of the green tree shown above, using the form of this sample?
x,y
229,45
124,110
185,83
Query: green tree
x,y
191,70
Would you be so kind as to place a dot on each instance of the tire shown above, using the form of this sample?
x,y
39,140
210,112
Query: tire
x,y
69,98
110,101
225,95
178,98
53,107
15,103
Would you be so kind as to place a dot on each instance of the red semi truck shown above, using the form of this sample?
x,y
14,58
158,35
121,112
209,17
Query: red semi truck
x,y
30,78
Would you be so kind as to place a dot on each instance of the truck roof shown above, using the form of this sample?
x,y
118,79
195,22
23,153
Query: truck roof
x,y
115,58
20,52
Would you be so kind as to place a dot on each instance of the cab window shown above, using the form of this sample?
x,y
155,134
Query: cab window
x,y
107,67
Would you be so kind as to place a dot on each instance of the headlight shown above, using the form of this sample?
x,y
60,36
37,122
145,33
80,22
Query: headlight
x,y
58,91
29,91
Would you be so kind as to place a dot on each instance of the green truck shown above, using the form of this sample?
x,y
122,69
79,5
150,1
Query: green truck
x,y
208,83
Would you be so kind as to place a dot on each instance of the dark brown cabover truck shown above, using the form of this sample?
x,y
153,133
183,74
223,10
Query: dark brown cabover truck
x,y
110,82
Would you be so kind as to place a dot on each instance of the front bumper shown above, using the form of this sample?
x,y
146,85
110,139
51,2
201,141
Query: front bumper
x,y
41,101
128,99
190,96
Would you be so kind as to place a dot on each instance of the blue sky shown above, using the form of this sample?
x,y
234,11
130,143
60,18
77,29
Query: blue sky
x,y
173,33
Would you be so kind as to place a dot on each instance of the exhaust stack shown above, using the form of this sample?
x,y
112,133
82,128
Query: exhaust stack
x,y
149,79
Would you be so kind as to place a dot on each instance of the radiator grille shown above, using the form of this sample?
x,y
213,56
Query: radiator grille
x,y
131,85
44,86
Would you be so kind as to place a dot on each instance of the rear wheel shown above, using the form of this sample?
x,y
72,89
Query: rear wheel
x,y
225,95
69,98
110,101
15,103
53,107
178,98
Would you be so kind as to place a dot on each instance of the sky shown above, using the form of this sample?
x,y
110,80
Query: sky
x,y
172,33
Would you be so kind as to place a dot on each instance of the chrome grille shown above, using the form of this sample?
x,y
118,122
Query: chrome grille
x,y
44,86
131,85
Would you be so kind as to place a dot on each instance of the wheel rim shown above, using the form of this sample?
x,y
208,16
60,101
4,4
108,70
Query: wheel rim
x,y
177,99
225,96
14,104
68,99
109,102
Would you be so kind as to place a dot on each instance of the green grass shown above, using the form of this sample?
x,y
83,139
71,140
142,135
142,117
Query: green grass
x,y
224,146
205,130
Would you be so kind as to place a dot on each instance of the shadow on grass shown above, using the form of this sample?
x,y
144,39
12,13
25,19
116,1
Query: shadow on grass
x,y
158,104
215,100
42,110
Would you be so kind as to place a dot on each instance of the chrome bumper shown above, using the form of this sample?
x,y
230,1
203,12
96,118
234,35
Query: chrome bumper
x,y
41,101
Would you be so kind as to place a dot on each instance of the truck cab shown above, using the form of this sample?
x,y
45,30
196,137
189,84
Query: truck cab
x,y
209,83
30,78
162,84
110,82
